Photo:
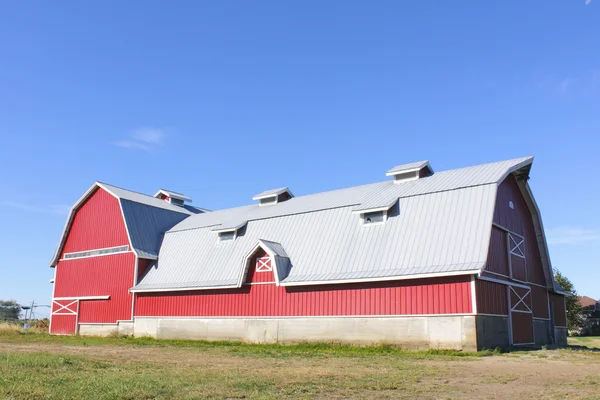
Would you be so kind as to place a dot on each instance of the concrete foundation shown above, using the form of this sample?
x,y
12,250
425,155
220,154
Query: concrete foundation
x,y
560,336
447,332
541,332
120,328
492,332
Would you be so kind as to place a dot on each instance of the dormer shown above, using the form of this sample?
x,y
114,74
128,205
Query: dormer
x,y
410,172
273,196
175,198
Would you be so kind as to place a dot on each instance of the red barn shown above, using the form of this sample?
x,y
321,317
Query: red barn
x,y
452,259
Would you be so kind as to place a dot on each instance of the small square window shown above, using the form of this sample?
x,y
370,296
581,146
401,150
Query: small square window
x,y
373,217
224,236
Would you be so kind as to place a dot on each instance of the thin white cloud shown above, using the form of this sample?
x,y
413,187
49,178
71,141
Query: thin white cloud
x,y
143,139
61,209
572,235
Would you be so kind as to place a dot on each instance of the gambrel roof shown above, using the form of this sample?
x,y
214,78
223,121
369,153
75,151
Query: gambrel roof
x,y
438,225
146,219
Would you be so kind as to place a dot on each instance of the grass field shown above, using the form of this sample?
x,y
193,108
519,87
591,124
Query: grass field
x,y
39,366
592,342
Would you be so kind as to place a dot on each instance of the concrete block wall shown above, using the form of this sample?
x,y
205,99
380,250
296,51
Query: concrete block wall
x,y
122,328
448,332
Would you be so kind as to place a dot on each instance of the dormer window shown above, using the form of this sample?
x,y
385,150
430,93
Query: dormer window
x,y
175,198
374,217
410,172
230,230
274,196
228,235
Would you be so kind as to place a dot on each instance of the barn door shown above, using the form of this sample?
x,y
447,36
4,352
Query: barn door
x,y
64,317
521,317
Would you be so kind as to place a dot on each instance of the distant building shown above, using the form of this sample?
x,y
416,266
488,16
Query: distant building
x,y
591,315
451,259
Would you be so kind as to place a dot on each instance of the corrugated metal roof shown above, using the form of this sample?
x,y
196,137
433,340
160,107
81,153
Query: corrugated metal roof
x,y
271,193
374,193
407,167
442,232
146,226
143,198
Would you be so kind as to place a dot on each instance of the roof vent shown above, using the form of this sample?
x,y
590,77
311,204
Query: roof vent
x,y
172,197
273,196
410,172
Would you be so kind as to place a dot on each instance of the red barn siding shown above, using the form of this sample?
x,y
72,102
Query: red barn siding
x,y
63,323
497,261
254,276
431,296
539,298
491,298
97,224
519,220
110,275
560,313
522,328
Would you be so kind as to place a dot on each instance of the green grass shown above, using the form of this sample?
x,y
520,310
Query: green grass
x,y
241,348
40,366
592,342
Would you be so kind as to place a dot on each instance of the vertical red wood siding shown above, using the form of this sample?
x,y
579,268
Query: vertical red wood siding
x,y
262,275
560,313
63,323
539,298
450,295
522,328
491,298
97,224
519,220
497,261
110,275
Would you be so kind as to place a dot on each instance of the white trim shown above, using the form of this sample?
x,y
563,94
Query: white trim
x,y
308,316
496,273
126,226
473,295
508,283
510,323
192,288
98,323
172,195
261,283
376,209
542,319
383,279
521,311
66,307
523,344
309,283
81,298
507,230
522,300
97,255
53,290
493,315
406,171
51,280
275,194
136,266
537,284
363,222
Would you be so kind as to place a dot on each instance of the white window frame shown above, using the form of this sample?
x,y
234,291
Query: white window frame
x,y
117,250
264,264
364,222
227,240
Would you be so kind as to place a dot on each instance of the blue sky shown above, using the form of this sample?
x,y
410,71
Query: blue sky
x,y
221,100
